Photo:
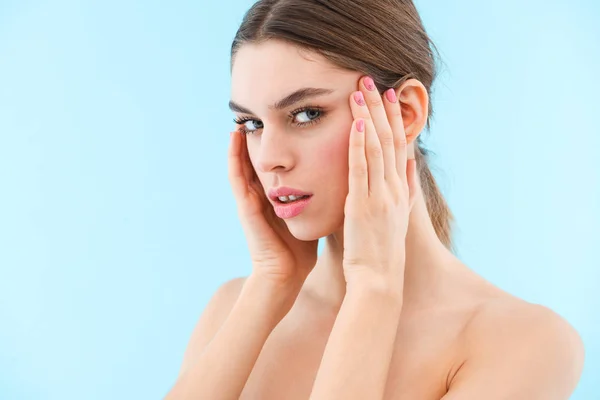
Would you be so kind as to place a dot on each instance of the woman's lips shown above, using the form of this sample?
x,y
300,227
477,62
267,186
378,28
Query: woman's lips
x,y
275,193
292,209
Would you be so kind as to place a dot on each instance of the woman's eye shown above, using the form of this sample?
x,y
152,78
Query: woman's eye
x,y
312,115
301,118
253,125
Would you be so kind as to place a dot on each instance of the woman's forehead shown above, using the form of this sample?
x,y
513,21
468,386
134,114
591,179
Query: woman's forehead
x,y
277,62
272,69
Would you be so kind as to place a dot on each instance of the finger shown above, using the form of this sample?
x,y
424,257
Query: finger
x,y
358,175
252,180
411,171
236,170
247,167
373,150
376,105
375,162
394,112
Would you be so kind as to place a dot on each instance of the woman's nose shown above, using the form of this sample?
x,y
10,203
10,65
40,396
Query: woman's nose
x,y
274,152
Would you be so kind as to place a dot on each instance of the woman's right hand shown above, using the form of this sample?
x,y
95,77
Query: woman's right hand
x,y
277,256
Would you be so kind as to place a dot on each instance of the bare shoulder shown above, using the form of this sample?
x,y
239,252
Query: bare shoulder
x,y
211,318
527,344
512,320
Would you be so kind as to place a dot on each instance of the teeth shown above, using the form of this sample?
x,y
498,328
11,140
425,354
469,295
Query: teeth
x,y
289,199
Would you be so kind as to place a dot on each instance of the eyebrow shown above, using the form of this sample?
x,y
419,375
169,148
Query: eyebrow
x,y
287,101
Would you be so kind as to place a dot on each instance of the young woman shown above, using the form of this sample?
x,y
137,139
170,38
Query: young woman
x,y
331,98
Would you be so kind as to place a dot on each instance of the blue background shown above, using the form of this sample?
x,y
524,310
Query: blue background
x,y
117,223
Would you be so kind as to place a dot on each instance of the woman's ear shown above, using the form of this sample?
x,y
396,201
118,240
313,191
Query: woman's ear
x,y
414,103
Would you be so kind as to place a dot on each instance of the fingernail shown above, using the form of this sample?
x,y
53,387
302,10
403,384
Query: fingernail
x,y
369,83
391,95
359,98
360,125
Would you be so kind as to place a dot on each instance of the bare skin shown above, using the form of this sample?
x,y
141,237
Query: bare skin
x,y
459,337
434,341
430,345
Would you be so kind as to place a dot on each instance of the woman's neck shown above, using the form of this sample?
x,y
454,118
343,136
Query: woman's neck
x,y
428,261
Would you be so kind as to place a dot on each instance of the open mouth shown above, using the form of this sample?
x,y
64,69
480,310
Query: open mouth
x,y
291,199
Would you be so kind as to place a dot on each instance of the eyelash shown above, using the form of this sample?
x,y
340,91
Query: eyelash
x,y
243,120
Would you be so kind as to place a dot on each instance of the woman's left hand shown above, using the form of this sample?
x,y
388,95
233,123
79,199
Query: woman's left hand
x,y
381,191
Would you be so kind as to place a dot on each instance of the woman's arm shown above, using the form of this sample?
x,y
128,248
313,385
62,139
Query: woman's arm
x,y
223,367
357,357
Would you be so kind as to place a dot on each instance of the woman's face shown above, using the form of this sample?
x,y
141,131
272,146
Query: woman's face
x,y
304,144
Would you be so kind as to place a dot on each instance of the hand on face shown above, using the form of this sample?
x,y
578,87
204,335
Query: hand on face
x,y
277,256
381,187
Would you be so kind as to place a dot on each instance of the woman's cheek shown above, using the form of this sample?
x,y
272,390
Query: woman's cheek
x,y
335,150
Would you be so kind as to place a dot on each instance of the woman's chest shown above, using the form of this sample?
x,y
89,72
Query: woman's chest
x,y
424,355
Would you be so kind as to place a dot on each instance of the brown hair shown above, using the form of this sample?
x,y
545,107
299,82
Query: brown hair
x,y
381,38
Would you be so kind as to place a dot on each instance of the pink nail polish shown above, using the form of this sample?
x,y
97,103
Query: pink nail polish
x,y
391,95
369,83
359,98
360,125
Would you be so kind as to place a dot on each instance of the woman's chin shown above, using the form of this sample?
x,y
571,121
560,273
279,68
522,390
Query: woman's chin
x,y
309,230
